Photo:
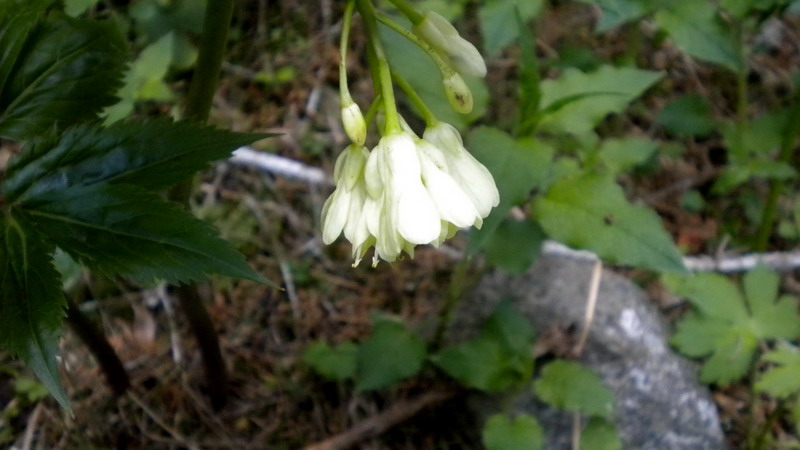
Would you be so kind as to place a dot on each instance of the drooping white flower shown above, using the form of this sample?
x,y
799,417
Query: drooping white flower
x,y
453,204
472,176
342,210
440,34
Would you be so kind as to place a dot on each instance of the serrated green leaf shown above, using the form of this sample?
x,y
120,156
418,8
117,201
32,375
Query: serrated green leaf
x,y
592,96
123,230
518,166
334,363
600,434
68,72
390,355
426,79
31,304
570,386
496,19
688,116
729,326
154,155
503,432
782,381
19,20
697,30
621,155
591,212
499,358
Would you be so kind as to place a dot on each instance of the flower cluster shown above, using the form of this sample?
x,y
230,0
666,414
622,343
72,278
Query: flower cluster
x,y
408,191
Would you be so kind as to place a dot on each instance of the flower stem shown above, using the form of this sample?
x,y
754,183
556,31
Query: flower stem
x,y
425,112
409,11
443,66
344,91
384,74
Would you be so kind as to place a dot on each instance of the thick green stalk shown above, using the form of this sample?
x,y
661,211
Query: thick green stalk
x,y
198,104
427,114
369,18
409,11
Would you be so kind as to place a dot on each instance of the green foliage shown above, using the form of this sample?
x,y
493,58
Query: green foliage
x,y
625,154
697,29
783,380
31,304
391,354
576,102
334,363
591,212
729,324
518,166
504,432
515,245
570,386
618,12
501,357
600,434
688,116
496,19
54,70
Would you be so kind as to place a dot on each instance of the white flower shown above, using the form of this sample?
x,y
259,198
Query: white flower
x,y
453,204
472,176
342,211
440,34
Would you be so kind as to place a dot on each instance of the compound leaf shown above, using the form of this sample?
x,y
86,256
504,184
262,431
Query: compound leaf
x,y
67,73
127,231
334,363
31,304
504,432
784,380
390,355
570,386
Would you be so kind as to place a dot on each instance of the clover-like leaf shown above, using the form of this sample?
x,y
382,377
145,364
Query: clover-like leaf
x,y
504,432
54,70
729,324
123,230
570,386
31,303
390,355
592,212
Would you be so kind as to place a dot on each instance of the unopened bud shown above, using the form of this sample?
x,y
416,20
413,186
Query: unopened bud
x,y
354,124
458,93
440,34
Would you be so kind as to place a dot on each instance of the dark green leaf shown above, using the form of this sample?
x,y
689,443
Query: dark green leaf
x,y
154,155
390,355
570,386
498,359
67,72
335,364
127,231
515,245
19,18
617,12
518,166
503,432
31,304
497,19
592,212
689,116
697,30
621,155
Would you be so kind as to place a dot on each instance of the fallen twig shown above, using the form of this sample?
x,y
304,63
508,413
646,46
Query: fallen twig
x,y
376,425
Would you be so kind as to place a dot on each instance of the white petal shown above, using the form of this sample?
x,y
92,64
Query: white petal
x,y
334,215
418,220
452,203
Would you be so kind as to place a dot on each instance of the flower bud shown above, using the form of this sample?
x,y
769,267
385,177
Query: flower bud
x,y
458,93
354,124
440,34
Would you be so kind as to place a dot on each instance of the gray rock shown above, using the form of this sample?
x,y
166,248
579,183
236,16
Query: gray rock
x,y
660,403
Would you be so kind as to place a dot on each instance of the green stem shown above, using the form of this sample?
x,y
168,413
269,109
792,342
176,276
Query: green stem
x,y
198,104
209,60
425,112
791,131
741,78
409,11
458,286
344,91
444,67
368,15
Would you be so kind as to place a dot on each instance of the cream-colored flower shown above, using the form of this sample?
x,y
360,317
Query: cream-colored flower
x,y
472,176
440,34
342,211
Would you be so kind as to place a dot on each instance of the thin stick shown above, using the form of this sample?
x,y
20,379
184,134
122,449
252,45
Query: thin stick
x,y
576,431
161,423
30,427
591,306
376,425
